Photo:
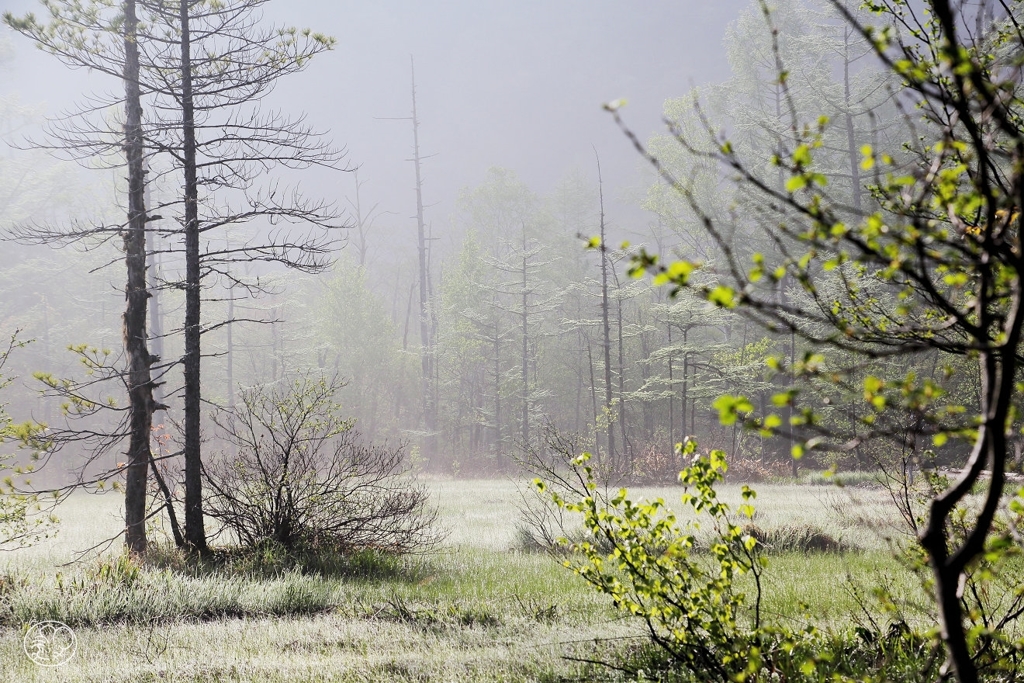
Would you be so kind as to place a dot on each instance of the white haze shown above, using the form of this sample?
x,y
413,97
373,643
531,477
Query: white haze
x,y
500,83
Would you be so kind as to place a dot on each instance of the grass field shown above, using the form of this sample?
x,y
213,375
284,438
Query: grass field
x,y
477,608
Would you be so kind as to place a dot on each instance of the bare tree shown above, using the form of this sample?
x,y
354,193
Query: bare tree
x,y
427,387
606,338
211,67
140,382
364,221
136,422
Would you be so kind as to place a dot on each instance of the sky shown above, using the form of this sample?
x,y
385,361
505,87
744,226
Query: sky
x,y
517,84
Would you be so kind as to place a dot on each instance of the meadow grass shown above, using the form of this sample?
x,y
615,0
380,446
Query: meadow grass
x,y
475,608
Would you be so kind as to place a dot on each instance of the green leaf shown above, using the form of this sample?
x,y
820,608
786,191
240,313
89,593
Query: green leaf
x,y
802,155
723,296
797,182
731,407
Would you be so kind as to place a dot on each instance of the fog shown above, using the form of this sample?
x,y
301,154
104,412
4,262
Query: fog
x,y
516,86
512,84
473,342
356,314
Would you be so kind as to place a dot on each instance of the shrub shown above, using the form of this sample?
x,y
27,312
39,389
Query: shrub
x,y
689,600
702,623
300,476
543,526
753,470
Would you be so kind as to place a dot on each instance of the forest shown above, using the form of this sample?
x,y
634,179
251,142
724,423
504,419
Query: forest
x,y
751,411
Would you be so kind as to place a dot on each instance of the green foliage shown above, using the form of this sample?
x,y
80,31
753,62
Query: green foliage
x,y
702,603
691,601
357,340
889,298
22,517
990,595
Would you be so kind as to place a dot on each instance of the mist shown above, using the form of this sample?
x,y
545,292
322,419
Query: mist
x,y
333,333
510,86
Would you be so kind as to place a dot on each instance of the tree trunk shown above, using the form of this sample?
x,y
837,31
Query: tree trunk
x,y
645,375
497,391
140,384
735,425
671,399
425,341
593,397
851,138
408,317
195,532
686,382
998,370
526,351
622,379
361,226
230,356
606,325
789,408
579,386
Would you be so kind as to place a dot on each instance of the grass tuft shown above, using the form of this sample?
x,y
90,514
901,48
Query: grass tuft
x,y
857,479
802,538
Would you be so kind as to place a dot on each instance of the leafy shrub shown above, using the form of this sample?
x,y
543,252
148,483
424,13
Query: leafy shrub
x,y
693,608
703,626
123,570
301,477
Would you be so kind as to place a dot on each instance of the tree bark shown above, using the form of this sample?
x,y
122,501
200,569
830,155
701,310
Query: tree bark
x,y
686,384
851,138
627,453
645,375
195,532
672,401
497,390
998,369
140,385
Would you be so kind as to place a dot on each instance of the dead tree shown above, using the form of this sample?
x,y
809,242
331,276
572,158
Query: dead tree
x,y
429,407
363,221
606,323
140,384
